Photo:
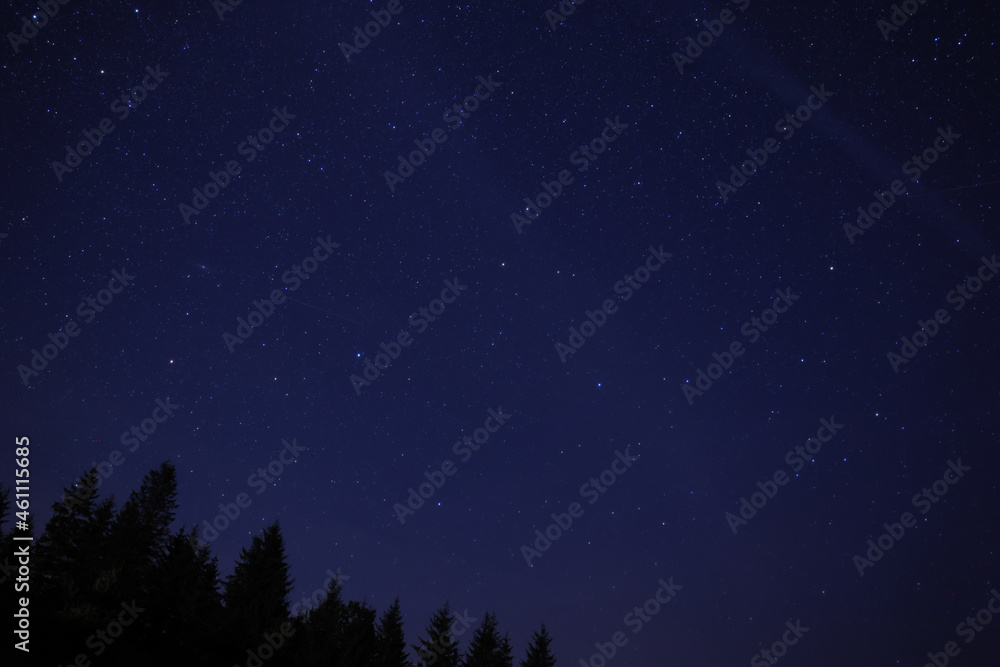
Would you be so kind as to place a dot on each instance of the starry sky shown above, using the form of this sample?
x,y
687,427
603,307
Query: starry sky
x,y
775,312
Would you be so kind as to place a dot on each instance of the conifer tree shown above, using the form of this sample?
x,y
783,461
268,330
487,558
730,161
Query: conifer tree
x,y
505,655
185,601
439,649
89,557
320,640
70,554
487,648
358,635
256,594
539,653
149,512
68,597
140,537
390,640
484,644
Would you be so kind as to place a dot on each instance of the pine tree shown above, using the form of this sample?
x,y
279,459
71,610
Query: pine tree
x,y
487,648
358,635
505,655
140,538
440,648
484,644
390,639
185,601
320,643
539,654
256,594
149,511
68,594
89,556
70,554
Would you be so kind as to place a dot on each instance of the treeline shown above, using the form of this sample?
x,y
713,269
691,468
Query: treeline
x,y
118,587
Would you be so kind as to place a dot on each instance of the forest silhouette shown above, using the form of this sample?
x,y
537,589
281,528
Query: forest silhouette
x,y
119,587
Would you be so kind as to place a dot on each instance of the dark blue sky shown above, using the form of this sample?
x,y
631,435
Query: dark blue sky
x,y
347,263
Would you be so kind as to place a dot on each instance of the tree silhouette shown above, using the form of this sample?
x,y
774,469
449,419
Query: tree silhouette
x,y
539,654
320,641
484,647
139,540
390,639
91,562
185,597
70,554
256,594
358,635
487,648
439,648
70,592
504,654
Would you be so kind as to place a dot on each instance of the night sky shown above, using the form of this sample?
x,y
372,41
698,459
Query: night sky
x,y
646,342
